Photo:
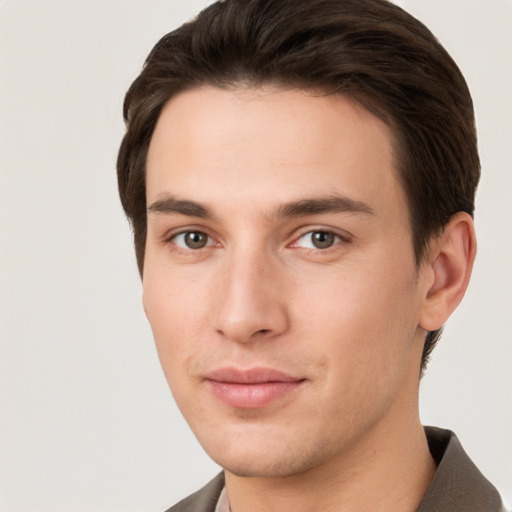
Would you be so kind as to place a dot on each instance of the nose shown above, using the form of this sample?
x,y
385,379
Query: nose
x,y
251,299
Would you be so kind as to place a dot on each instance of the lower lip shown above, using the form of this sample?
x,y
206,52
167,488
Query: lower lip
x,y
252,396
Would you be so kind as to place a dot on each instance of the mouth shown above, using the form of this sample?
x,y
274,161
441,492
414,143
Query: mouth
x,y
253,388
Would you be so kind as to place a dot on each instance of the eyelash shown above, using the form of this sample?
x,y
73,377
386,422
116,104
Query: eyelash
x,y
172,239
336,238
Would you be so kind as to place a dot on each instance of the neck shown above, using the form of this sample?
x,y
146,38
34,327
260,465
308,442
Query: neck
x,y
381,480
389,469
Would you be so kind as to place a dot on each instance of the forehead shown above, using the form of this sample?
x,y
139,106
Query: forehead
x,y
270,144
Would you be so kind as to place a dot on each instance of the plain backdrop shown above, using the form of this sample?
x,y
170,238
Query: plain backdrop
x,y
87,422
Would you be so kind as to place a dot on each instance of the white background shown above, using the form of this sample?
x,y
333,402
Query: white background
x,y
87,422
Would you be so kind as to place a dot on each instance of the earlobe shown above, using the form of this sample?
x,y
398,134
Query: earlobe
x,y
451,263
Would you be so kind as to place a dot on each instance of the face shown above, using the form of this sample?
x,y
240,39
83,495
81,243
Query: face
x,y
279,276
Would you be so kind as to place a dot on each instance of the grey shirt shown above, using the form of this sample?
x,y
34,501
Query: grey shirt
x,y
458,485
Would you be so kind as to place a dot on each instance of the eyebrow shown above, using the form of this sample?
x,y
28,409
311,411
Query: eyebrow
x,y
313,206
171,204
316,206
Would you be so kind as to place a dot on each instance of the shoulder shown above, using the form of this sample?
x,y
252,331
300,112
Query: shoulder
x,y
204,500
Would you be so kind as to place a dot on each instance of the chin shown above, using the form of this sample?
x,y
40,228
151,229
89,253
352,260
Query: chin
x,y
264,468
267,459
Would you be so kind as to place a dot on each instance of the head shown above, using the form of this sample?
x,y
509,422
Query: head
x,y
368,50
300,180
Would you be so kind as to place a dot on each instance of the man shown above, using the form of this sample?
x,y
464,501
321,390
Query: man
x,y
300,178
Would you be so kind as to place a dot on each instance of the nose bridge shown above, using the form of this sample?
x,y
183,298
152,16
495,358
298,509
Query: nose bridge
x,y
251,302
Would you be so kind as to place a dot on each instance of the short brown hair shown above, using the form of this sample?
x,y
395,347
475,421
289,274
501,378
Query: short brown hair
x,y
370,50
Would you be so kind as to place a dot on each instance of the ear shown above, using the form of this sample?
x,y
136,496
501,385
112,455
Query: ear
x,y
450,262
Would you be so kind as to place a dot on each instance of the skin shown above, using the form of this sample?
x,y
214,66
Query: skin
x,y
349,320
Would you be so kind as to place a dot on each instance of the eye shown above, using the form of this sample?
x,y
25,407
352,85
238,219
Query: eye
x,y
317,240
192,240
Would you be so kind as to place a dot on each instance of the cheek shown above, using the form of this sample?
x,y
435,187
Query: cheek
x,y
364,320
176,311
175,325
359,299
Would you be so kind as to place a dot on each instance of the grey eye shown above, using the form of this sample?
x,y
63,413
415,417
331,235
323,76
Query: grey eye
x,y
318,240
322,239
192,240
196,239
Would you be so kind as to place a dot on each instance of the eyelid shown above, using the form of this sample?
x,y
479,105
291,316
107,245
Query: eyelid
x,y
343,236
171,235
183,246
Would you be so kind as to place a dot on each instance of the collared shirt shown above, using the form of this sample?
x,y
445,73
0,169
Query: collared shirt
x,y
223,503
457,486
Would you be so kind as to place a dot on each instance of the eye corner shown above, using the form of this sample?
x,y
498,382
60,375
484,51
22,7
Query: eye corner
x,y
191,240
319,239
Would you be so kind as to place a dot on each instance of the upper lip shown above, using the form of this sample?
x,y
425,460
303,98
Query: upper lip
x,y
258,375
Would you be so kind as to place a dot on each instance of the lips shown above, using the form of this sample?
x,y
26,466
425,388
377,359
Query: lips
x,y
252,388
